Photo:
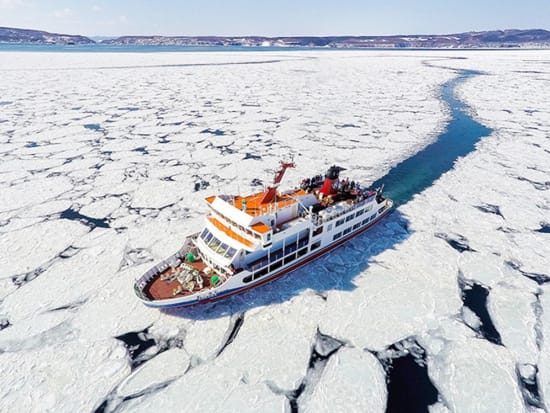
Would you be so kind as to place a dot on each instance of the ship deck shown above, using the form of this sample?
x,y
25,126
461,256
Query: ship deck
x,y
254,206
169,283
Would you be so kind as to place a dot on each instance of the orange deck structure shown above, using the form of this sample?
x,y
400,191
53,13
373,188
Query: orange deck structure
x,y
254,207
260,227
228,231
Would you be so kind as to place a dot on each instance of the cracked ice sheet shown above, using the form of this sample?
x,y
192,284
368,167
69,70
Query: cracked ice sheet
x,y
71,280
289,328
353,380
27,193
259,115
513,314
517,148
210,388
473,375
544,362
406,289
163,368
399,296
204,337
30,247
70,376
267,110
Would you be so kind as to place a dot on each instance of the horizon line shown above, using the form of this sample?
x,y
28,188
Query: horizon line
x,y
276,36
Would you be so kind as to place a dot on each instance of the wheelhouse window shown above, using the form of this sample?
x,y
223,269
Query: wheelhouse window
x,y
230,253
222,248
216,245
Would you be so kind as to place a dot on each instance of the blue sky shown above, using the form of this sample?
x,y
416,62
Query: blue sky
x,y
273,18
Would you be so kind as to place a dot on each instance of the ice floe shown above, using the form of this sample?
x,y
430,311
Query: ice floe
x,y
353,379
474,375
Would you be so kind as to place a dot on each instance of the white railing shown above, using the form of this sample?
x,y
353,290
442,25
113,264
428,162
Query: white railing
x,y
319,220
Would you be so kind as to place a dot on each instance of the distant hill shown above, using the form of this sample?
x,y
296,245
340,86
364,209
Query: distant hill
x,y
26,36
487,39
535,38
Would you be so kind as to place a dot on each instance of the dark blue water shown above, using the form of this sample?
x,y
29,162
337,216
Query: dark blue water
x,y
420,171
409,387
474,297
92,223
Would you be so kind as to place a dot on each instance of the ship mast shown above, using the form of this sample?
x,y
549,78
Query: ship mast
x,y
271,191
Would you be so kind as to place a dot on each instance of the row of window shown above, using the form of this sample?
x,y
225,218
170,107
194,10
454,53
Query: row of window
x,y
274,262
274,265
235,225
350,228
216,245
274,256
351,216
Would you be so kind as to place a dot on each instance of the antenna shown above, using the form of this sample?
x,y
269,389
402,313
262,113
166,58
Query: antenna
x,y
271,192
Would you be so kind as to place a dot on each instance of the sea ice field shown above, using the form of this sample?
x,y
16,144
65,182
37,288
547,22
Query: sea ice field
x,y
105,160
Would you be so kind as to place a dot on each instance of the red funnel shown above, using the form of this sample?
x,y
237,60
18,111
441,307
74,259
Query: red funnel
x,y
330,186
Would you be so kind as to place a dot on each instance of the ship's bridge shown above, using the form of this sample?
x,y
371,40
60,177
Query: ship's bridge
x,y
251,223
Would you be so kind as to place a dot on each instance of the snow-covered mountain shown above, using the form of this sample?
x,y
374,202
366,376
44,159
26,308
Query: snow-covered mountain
x,y
534,38
485,39
27,36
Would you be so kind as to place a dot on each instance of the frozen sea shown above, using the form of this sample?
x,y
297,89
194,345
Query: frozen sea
x,y
105,159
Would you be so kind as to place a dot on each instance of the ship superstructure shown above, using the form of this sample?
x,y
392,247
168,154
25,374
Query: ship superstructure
x,y
251,240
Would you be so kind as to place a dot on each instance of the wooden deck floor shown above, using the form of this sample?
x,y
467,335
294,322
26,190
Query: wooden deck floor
x,y
162,289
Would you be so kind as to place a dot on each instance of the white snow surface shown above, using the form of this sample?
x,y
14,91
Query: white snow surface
x,y
544,362
496,390
125,139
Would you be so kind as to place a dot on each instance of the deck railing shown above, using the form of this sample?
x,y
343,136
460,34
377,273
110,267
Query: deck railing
x,y
319,220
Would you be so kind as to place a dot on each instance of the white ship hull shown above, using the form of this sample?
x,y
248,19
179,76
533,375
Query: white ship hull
x,y
324,234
